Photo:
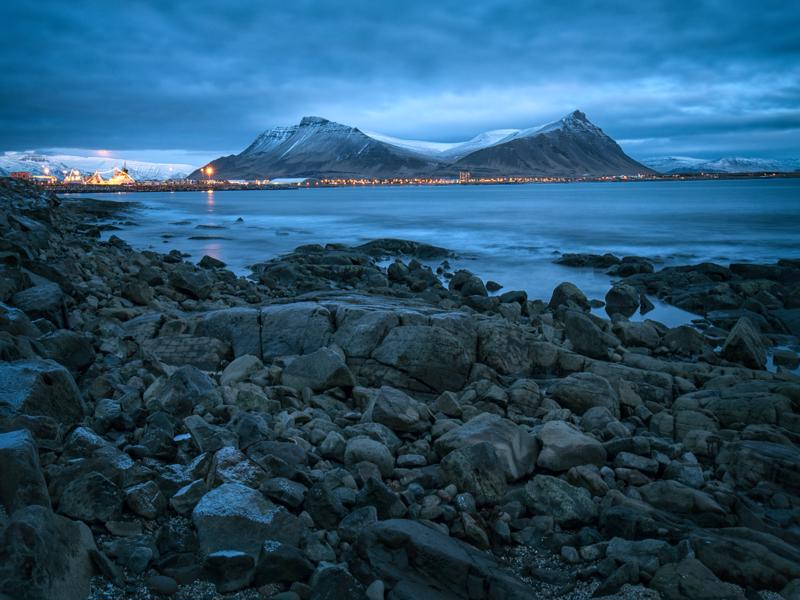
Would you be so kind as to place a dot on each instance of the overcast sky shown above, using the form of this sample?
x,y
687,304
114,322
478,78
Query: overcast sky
x,y
174,79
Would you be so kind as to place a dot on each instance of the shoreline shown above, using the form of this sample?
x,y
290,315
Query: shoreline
x,y
334,423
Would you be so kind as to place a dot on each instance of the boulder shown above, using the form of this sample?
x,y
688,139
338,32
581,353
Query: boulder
x,y
431,355
39,388
397,411
360,331
236,517
68,348
193,282
44,555
320,370
92,498
240,369
21,479
239,326
289,329
567,295
622,299
45,301
745,346
365,449
179,393
423,562
586,337
205,353
581,391
516,449
692,580
569,506
474,469
563,447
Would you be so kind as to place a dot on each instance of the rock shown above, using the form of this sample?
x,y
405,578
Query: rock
x,y
783,357
332,582
586,337
691,580
365,449
205,353
320,370
43,555
622,299
236,517
686,341
360,331
287,492
39,388
22,482
397,411
431,355
45,301
474,469
749,463
564,447
515,448
68,348
581,391
567,295
209,262
229,570
240,327
280,563
162,585
744,345
146,500
187,497
638,334
180,392
352,524
569,506
290,329
208,437
427,563
192,282
240,369
92,498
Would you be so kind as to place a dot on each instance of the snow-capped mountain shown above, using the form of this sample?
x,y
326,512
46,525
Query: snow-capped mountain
x,y
58,164
732,164
316,147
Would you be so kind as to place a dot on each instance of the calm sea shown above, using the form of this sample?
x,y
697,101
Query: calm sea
x,y
509,233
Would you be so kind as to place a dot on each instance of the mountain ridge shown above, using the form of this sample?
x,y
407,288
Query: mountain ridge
x,y
317,147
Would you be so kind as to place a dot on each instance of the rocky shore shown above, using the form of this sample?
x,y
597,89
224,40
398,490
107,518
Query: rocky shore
x,y
333,428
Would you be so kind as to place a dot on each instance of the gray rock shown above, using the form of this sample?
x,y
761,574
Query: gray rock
x,y
92,498
431,355
45,300
229,570
427,563
581,391
360,331
240,369
280,563
180,392
22,482
187,497
691,580
397,411
236,517
569,506
290,329
564,447
68,348
586,337
474,469
516,449
43,555
146,500
622,299
205,353
208,437
239,326
320,370
567,295
365,449
745,346
191,281
287,492
39,388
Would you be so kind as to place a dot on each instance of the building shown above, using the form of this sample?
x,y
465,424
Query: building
x,y
73,176
47,179
464,177
120,177
20,175
95,179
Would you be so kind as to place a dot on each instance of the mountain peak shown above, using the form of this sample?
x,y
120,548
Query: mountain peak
x,y
578,115
311,121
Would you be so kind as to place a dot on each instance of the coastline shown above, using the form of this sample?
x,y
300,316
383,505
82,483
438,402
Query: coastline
x,y
345,412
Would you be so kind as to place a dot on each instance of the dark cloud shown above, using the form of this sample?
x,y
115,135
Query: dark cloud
x,y
710,78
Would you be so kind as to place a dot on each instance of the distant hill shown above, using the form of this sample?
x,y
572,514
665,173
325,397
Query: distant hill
x,y
670,165
57,164
316,147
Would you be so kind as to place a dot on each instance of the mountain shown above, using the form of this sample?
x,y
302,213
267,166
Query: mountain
x,y
570,147
733,164
316,147
319,148
58,164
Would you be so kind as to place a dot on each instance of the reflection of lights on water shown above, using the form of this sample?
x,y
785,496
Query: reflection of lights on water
x,y
213,250
210,200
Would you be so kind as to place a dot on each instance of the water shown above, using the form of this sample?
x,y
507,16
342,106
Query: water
x,y
509,233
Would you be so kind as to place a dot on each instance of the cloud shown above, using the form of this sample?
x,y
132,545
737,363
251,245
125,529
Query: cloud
x,y
707,77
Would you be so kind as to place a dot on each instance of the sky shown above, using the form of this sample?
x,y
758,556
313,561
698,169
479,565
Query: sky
x,y
186,81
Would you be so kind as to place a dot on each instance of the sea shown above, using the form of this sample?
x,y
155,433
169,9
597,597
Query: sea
x,y
507,233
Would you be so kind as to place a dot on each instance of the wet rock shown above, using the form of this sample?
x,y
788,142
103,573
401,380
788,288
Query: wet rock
x,y
567,295
431,355
192,282
744,345
474,469
581,391
586,337
320,370
569,506
43,555
516,449
40,388
622,299
564,447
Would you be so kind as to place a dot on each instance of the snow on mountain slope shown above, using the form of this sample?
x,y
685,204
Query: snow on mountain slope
x,y
57,164
731,164
451,150
420,146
